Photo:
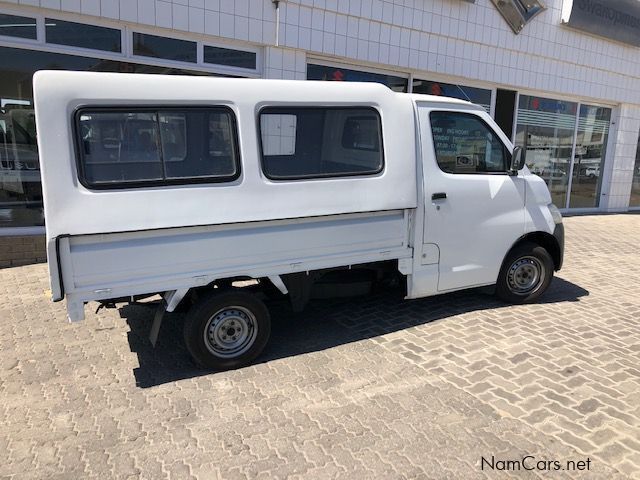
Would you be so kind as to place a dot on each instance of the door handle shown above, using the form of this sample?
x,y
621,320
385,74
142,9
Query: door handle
x,y
439,196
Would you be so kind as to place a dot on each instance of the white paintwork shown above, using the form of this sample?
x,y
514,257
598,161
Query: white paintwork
x,y
252,197
119,243
200,254
479,220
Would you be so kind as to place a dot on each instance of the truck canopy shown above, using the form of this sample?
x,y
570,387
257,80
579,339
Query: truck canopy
x,y
84,118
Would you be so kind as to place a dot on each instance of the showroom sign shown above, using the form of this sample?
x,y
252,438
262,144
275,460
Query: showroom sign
x,y
615,19
517,13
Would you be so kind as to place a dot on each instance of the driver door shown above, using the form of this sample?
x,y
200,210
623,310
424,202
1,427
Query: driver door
x,y
474,209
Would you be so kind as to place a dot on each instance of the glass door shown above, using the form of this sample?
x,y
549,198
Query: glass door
x,y
545,130
589,155
565,143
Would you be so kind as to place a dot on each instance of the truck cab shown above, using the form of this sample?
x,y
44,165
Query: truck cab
x,y
480,201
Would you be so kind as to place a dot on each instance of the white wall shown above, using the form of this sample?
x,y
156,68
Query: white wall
x,y
468,40
451,37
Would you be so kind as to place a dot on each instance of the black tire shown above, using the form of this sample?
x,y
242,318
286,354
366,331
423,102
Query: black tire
x,y
516,282
220,316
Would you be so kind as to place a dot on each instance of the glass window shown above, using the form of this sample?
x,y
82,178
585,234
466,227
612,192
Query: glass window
x,y
20,189
163,47
173,134
123,147
635,187
303,142
278,134
119,147
82,35
336,74
229,57
588,161
17,26
479,96
199,143
545,130
361,133
465,144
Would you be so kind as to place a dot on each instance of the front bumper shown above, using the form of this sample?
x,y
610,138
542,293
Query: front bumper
x,y
558,234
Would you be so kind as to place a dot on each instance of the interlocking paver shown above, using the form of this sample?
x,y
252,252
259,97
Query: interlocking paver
x,y
371,387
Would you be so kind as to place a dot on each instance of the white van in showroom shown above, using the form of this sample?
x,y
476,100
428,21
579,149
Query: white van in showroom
x,y
186,186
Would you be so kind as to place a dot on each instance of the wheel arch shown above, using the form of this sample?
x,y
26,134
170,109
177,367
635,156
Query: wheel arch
x,y
545,240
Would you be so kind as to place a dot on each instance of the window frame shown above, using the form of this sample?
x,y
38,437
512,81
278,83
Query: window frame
x,y
505,150
165,182
286,109
126,55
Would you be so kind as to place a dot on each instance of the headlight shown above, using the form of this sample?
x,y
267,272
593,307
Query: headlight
x,y
555,213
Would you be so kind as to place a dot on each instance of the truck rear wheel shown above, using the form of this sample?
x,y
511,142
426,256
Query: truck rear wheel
x,y
526,274
227,330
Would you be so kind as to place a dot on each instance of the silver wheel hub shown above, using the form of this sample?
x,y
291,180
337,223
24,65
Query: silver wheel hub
x,y
525,275
230,332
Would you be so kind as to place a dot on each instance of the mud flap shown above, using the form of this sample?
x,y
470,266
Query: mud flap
x,y
170,301
157,322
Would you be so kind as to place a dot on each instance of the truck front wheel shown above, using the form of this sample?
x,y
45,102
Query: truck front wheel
x,y
227,330
526,274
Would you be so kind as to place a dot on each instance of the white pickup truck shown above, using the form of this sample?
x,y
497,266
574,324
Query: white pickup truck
x,y
183,186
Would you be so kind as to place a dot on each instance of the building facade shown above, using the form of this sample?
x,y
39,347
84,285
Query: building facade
x,y
570,97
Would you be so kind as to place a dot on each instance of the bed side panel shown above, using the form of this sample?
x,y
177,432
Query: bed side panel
x,y
144,262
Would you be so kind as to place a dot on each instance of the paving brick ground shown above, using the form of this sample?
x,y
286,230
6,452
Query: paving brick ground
x,y
371,387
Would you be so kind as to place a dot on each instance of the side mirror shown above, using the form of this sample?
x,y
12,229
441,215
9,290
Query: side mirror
x,y
517,160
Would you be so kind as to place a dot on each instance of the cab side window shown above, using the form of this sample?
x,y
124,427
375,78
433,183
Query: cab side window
x,y
465,144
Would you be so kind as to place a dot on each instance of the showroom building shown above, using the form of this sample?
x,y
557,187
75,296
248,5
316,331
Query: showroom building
x,y
562,78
